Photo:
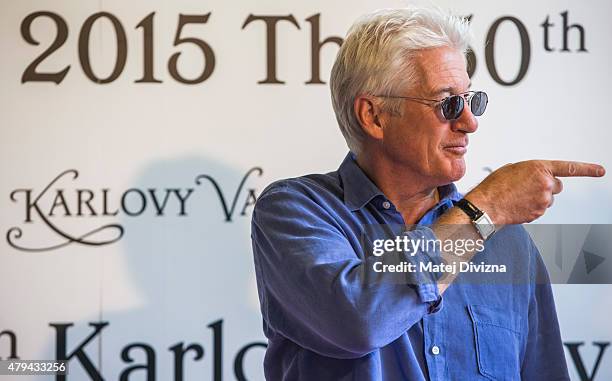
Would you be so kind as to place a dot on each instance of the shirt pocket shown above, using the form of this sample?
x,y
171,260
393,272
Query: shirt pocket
x,y
498,342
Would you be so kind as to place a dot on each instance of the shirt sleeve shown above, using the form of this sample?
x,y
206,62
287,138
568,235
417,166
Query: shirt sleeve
x,y
544,358
311,281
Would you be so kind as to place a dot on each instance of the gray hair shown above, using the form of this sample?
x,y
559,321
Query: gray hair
x,y
376,58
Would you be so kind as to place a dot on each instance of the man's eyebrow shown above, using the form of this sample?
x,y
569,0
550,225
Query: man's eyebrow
x,y
448,89
442,91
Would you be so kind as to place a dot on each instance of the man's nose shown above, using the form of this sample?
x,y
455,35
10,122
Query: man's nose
x,y
466,122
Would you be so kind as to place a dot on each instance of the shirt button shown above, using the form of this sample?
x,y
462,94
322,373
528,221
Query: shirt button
x,y
386,204
435,350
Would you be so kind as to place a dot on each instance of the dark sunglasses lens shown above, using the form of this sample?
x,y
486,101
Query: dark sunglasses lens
x,y
452,107
478,103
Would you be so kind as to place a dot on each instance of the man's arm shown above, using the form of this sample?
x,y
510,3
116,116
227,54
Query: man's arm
x,y
513,194
313,285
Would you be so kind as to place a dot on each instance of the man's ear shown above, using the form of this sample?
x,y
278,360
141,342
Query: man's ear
x,y
369,115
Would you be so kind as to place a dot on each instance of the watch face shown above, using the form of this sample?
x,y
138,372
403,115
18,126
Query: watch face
x,y
485,226
486,229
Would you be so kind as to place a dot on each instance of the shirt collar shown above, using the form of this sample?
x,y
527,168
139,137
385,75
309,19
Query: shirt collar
x,y
360,190
448,196
449,193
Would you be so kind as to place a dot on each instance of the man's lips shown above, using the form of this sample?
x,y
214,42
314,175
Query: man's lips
x,y
457,148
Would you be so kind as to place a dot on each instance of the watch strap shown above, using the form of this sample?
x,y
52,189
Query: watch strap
x,y
470,209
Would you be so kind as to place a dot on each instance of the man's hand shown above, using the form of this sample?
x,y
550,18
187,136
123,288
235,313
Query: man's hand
x,y
521,192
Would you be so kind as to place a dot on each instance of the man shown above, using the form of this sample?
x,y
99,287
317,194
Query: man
x,y
400,91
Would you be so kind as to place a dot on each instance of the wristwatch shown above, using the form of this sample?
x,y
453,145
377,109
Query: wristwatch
x,y
481,220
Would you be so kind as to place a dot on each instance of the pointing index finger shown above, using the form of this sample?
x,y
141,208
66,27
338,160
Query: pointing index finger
x,y
562,168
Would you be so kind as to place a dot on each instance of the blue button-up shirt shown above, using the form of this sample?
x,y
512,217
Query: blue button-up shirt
x,y
324,322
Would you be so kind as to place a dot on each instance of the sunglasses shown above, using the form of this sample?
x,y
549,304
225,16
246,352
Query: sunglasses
x,y
452,106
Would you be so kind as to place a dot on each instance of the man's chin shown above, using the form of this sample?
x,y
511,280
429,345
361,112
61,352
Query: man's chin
x,y
456,170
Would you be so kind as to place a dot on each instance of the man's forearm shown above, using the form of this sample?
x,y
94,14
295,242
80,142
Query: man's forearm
x,y
456,225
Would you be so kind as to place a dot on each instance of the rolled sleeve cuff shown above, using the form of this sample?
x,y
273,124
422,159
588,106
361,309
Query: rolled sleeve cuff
x,y
429,294
425,283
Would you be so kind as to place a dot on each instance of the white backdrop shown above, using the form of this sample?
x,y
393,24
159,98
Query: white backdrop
x,y
153,252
